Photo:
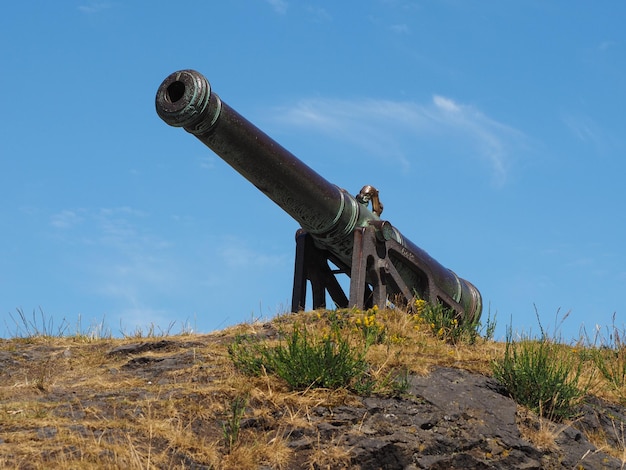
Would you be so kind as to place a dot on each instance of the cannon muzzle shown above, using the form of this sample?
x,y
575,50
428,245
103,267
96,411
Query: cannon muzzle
x,y
333,219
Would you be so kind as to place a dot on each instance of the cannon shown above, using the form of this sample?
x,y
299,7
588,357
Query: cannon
x,y
339,232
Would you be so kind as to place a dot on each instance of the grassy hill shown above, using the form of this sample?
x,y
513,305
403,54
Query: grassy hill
x,y
242,397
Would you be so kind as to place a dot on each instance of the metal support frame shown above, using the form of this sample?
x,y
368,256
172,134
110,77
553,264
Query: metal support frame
x,y
372,274
312,265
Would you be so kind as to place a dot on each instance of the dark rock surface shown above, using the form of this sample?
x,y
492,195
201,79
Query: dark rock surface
x,y
451,419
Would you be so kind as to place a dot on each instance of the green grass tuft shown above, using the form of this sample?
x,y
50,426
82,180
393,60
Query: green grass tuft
x,y
304,359
544,376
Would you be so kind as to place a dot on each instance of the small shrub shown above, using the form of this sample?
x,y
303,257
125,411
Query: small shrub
x,y
447,325
230,429
541,375
248,354
612,365
304,360
610,360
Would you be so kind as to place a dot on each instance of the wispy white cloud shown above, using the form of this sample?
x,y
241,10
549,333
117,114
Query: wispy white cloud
x,y
588,131
366,124
376,125
446,105
117,258
490,137
206,162
116,224
400,28
606,45
65,219
319,14
118,230
583,128
129,279
237,254
94,7
279,6
120,248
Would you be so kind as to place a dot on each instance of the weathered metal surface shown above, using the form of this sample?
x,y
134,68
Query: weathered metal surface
x,y
329,215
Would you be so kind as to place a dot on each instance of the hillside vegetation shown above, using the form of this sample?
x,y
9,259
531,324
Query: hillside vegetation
x,y
248,396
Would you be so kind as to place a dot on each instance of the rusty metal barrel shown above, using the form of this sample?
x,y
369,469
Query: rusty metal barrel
x,y
328,213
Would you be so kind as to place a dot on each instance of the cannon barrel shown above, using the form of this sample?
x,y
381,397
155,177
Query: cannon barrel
x,y
326,212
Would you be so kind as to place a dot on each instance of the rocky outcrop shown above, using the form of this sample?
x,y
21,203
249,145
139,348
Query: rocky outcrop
x,y
452,419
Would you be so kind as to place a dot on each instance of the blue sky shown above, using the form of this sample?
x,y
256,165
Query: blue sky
x,y
494,130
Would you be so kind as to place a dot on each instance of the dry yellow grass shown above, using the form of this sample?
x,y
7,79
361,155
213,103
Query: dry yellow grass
x,y
70,402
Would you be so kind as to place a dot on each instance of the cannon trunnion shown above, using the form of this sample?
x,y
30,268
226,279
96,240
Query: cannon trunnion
x,y
336,226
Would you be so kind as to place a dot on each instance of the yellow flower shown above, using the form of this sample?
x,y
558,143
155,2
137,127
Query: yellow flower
x,y
396,339
420,305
